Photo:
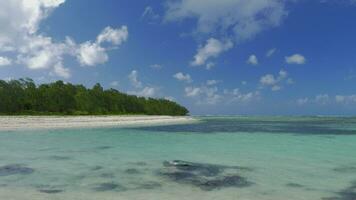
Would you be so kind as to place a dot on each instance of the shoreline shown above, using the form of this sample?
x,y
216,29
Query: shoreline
x,y
18,123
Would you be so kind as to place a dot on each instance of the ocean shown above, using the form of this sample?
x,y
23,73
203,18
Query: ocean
x,y
227,158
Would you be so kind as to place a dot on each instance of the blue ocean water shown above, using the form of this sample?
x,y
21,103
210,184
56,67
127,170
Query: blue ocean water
x,y
255,158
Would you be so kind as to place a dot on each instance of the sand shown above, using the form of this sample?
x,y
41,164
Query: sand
x,y
13,123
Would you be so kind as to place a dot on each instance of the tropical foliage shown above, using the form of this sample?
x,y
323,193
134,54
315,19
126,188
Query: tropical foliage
x,y
23,96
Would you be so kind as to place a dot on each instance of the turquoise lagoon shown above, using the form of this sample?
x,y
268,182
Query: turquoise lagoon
x,y
271,158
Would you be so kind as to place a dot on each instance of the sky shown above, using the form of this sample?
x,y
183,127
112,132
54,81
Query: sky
x,y
218,57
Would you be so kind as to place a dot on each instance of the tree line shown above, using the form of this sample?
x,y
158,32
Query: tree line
x,y
24,97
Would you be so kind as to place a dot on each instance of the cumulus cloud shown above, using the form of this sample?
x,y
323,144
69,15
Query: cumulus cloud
x,y
271,52
133,77
203,94
145,92
268,79
192,91
20,35
209,94
211,49
4,61
113,36
93,53
183,77
237,20
275,82
295,59
61,71
252,60
140,88
236,96
244,18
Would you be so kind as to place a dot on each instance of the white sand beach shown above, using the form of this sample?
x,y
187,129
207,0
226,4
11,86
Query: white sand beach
x,y
12,123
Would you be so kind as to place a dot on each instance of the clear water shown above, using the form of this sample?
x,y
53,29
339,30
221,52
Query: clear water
x,y
288,158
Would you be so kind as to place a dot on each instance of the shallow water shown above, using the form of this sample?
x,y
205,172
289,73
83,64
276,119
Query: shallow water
x,y
273,158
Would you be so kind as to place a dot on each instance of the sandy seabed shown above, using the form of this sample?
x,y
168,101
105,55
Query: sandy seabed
x,y
12,123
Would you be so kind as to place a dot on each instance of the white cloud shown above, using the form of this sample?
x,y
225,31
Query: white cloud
x,y
237,20
169,98
141,89
302,101
156,66
283,74
20,35
211,49
133,77
212,82
244,18
114,84
252,60
61,71
150,14
4,61
271,52
276,88
210,65
192,91
183,77
345,99
326,99
290,81
113,36
295,59
322,99
211,95
268,79
236,96
145,92
91,54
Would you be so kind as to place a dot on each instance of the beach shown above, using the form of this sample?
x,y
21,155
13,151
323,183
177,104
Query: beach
x,y
13,123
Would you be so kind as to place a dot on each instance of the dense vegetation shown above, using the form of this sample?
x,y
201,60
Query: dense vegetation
x,y
23,96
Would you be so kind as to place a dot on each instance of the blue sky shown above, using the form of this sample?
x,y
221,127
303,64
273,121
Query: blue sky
x,y
259,57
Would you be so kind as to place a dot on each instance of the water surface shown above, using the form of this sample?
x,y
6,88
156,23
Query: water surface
x,y
256,158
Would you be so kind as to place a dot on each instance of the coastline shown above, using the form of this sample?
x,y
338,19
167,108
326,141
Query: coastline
x,y
17,123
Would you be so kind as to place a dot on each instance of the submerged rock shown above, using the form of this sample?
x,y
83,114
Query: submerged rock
x,y
228,181
295,185
104,147
132,171
205,176
50,191
59,157
149,185
96,168
345,169
346,194
15,169
202,169
108,187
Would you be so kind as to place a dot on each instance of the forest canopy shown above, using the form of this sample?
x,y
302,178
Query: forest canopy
x,y
24,97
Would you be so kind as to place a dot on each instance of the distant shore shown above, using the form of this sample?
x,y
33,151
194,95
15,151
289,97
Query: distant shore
x,y
13,123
